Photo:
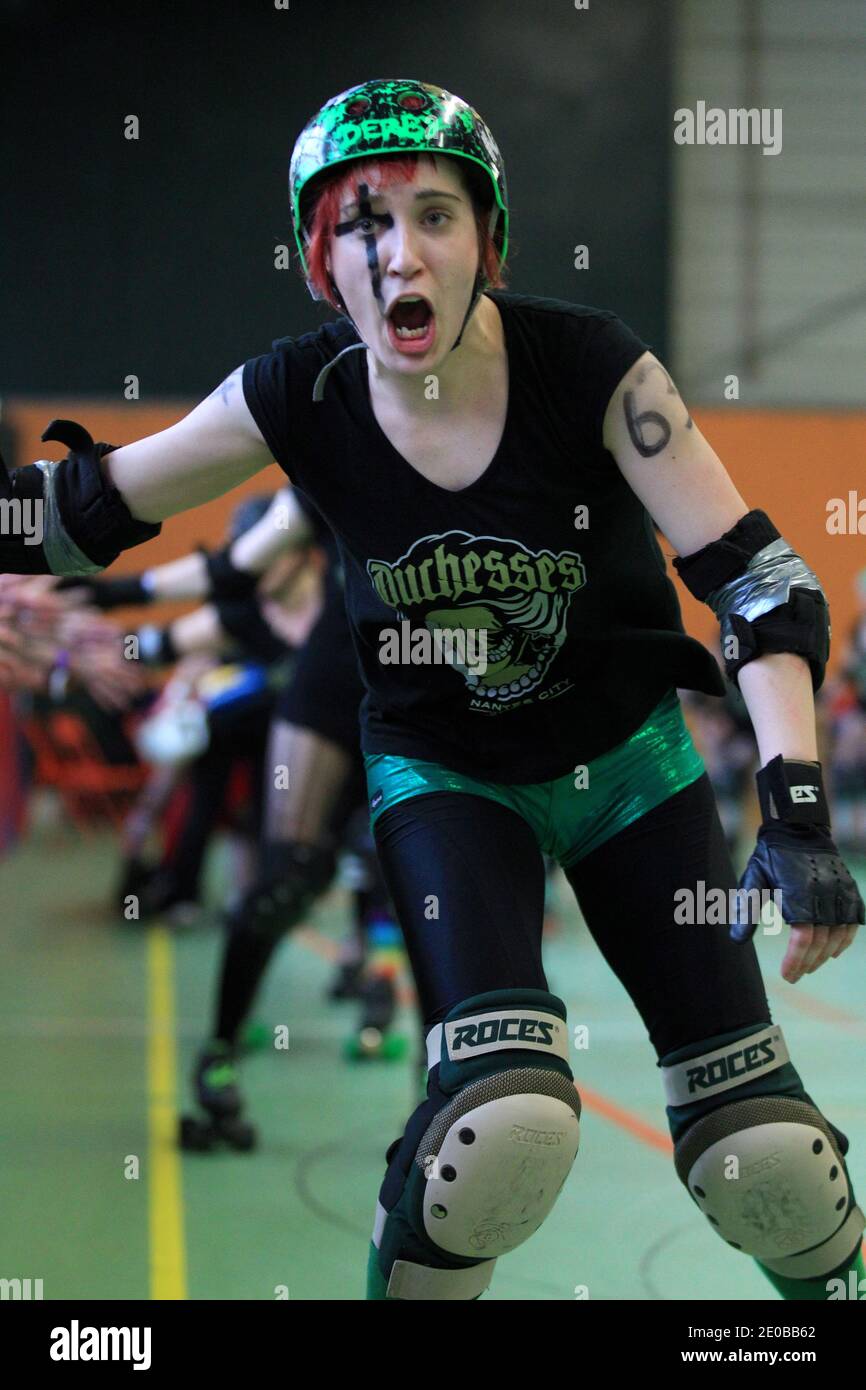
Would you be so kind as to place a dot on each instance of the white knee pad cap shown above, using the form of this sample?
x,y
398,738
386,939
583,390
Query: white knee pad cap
x,y
495,1159
768,1175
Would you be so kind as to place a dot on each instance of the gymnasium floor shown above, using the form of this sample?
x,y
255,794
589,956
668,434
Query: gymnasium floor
x,y
99,1024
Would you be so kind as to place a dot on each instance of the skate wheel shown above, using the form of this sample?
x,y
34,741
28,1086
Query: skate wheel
x,y
195,1136
395,1047
372,1045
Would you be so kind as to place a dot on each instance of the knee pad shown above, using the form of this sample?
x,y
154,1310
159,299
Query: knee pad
x,y
484,1159
290,878
767,1170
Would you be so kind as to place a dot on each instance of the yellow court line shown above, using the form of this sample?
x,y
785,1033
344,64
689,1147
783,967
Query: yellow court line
x,y
165,1193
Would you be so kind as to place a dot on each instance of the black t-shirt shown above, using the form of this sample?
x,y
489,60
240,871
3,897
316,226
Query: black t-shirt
x,y
584,632
324,538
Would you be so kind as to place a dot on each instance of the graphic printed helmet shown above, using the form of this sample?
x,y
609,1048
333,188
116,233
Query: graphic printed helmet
x,y
399,116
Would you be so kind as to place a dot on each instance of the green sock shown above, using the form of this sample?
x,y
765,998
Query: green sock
x,y
816,1289
376,1286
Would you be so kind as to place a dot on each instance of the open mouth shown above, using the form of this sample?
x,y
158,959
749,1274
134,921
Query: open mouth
x,y
411,324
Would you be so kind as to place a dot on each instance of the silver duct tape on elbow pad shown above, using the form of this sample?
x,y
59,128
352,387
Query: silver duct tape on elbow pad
x,y
770,576
61,553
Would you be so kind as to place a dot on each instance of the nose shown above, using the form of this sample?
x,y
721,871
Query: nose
x,y
399,249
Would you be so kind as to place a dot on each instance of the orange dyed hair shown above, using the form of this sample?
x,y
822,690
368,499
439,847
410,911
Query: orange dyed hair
x,y
388,170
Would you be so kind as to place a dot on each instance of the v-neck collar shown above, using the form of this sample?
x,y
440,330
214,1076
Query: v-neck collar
x,y
506,429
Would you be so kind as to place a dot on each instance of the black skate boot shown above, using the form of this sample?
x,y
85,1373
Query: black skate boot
x,y
217,1092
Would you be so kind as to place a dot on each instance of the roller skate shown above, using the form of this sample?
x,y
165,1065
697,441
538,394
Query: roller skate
x,y
163,896
374,1039
217,1092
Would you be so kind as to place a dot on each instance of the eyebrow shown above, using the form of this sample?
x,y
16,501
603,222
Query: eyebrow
x,y
422,193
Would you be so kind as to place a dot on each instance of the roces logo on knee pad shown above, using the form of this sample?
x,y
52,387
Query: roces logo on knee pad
x,y
498,1032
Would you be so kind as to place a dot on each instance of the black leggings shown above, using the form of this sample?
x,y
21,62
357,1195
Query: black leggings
x,y
467,879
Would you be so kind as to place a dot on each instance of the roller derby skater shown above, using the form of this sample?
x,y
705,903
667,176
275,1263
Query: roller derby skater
x,y
314,736
465,506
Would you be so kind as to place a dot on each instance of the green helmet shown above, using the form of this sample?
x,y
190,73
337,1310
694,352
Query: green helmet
x,y
394,117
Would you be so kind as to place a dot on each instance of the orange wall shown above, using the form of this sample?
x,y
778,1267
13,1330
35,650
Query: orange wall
x,y
790,463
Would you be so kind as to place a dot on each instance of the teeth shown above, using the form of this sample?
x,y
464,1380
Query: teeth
x,y
411,332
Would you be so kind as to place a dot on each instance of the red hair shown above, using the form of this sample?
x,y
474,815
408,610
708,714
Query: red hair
x,y
386,171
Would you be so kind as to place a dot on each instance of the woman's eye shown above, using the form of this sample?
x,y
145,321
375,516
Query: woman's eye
x,y
440,216
365,225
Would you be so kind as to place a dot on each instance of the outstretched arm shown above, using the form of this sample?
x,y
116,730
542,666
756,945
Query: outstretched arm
x,y
685,487
211,450
199,633
283,527
776,633
80,512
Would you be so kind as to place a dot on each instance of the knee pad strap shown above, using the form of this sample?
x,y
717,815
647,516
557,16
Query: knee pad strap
x,y
725,1067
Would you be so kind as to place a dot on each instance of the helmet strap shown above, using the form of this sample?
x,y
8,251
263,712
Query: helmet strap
x,y
477,290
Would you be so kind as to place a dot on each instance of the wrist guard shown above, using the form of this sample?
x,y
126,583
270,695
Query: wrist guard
x,y
226,580
126,591
765,597
795,854
84,521
792,792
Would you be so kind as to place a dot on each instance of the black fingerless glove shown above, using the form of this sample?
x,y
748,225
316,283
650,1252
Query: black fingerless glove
x,y
795,854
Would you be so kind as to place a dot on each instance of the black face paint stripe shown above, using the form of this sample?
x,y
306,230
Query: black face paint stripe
x,y
384,219
364,210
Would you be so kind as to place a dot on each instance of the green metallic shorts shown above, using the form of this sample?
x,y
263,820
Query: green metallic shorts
x,y
574,814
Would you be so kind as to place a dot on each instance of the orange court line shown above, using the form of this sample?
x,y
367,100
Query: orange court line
x,y
817,1008
317,942
638,1129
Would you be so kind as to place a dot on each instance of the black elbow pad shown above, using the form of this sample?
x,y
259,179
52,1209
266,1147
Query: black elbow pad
x,y
81,523
226,580
800,626
714,564
93,512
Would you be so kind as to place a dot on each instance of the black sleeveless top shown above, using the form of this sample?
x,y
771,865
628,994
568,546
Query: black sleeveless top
x,y
549,552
